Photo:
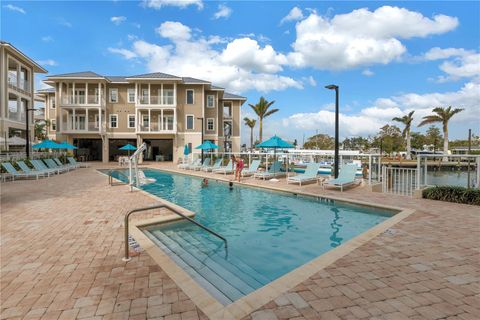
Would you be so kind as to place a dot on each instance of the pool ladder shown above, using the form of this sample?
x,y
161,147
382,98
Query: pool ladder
x,y
174,210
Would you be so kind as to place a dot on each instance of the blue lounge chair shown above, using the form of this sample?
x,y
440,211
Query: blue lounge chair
x,y
67,165
72,161
345,178
226,169
27,169
205,164
16,174
40,166
216,165
273,172
310,174
52,165
252,169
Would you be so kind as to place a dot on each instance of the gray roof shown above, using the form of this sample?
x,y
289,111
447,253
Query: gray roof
x,y
46,90
38,68
154,75
216,87
231,96
84,74
117,78
191,80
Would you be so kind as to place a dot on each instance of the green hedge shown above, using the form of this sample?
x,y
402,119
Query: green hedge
x,y
453,194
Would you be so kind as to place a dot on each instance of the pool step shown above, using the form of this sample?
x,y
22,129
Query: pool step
x,y
223,283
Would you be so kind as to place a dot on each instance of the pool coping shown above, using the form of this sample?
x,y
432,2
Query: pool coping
x,y
254,300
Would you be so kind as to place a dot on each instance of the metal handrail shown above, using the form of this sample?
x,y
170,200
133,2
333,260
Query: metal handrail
x,y
110,178
174,210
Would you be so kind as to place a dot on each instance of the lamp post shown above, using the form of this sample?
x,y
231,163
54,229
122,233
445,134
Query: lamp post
x,y
27,128
200,118
336,160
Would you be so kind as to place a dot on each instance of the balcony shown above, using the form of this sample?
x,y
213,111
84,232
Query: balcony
x,y
82,100
156,128
165,101
18,84
80,127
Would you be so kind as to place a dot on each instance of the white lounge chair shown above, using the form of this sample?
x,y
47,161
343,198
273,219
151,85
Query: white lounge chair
x,y
72,161
205,164
273,172
250,171
346,177
216,165
310,174
226,169
197,162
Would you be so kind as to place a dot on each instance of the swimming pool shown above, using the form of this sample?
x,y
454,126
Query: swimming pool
x,y
269,233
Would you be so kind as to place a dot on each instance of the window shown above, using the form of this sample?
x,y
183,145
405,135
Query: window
x,y
52,102
113,121
97,120
189,122
168,96
53,125
167,122
131,95
113,95
144,98
131,121
227,110
210,101
146,121
227,128
210,124
190,96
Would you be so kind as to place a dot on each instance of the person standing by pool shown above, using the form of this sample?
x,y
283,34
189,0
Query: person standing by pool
x,y
238,167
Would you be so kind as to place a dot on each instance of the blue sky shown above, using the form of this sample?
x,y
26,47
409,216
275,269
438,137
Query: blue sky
x,y
387,57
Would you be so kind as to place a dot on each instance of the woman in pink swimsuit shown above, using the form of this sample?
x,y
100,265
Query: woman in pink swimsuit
x,y
238,167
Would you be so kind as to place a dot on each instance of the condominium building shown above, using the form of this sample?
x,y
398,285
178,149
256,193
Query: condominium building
x,y
16,94
99,114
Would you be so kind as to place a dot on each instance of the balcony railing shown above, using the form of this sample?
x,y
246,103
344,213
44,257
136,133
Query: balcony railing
x,y
80,127
81,99
16,83
155,127
156,100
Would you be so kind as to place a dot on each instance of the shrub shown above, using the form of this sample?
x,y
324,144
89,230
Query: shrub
x,y
453,194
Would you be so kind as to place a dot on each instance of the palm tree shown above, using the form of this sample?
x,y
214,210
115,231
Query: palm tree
x,y
407,121
250,123
261,109
442,115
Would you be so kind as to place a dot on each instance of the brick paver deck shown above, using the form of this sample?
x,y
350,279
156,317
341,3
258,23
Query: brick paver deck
x,y
61,249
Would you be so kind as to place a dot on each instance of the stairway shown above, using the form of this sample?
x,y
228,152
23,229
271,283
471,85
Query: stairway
x,y
224,276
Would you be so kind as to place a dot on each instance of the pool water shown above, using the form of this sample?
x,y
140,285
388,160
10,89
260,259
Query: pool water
x,y
269,233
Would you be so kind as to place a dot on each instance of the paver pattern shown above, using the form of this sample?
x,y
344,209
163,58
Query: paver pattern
x,y
62,243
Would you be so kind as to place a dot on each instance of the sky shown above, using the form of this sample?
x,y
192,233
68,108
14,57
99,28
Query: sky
x,y
388,58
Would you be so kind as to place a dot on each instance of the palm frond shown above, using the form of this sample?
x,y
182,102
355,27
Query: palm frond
x,y
270,112
430,119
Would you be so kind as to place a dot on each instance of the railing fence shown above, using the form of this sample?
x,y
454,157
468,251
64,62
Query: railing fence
x,y
399,181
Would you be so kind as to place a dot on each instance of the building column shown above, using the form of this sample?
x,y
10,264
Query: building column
x,y
160,123
100,120
136,91
149,115
161,94
73,93
149,98
86,92
86,119
19,109
105,150
74,121
175,94
99,102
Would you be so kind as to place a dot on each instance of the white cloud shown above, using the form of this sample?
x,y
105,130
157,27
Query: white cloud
x,y
136,25
64,22
117,20
158,4
239,65
223,12
370,119
174,31
48,62
361,37
47,39
127,54
294,15
367,72
11,7
310,80
462,64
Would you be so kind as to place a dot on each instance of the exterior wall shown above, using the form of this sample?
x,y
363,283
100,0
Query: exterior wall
x,y
122,109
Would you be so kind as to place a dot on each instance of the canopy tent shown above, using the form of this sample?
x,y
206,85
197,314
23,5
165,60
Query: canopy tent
x,y
275,143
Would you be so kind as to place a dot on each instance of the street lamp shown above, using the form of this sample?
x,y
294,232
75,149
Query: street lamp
x,y
336,160
27,140
200,118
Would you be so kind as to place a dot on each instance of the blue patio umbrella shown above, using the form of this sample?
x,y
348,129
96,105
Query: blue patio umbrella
x,y
66,145
207,145
275,143
47,144
186,150
128,147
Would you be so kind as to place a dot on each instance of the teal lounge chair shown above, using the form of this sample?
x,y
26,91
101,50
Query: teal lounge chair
x,y
310,174
216,165
16,174
252,169
27,169
67,165
345,178
205,164
52,165
40,166
226,169
72,161
273,172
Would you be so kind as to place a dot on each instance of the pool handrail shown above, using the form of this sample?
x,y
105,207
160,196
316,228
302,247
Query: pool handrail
x,y
172,209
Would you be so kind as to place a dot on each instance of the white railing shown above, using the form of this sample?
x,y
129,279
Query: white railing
x,y
399,181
